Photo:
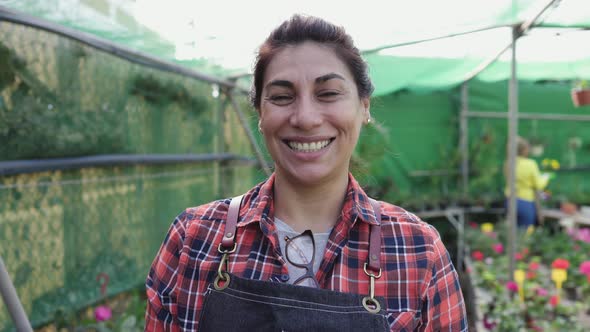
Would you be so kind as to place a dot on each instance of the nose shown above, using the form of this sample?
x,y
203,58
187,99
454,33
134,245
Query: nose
x,y
306,115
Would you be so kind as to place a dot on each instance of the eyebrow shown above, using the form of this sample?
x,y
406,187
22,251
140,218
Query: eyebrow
x,y
328,77
321,79
281,83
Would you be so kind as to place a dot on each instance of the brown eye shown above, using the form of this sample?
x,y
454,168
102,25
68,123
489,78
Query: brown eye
x,y
328,95
280,99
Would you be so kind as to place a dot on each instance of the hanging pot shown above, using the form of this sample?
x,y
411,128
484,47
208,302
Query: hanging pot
x,y
581,97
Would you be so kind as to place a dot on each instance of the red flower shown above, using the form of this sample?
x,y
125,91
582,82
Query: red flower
x,y
518,256
531,275
554,301
525,251
560,263
477,255
473,225
534,266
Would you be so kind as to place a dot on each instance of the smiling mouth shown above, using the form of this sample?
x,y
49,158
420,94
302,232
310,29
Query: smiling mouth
x,y
308,146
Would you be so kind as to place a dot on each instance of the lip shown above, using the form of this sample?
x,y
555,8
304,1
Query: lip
x,y
307,139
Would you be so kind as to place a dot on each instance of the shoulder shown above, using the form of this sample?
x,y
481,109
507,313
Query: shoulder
x,y
398,222
528,162
194,220
207,219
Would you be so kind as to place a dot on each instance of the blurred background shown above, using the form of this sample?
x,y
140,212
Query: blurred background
x,y
115,115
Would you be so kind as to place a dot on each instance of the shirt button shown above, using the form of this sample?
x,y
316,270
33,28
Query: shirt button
x,y
285,277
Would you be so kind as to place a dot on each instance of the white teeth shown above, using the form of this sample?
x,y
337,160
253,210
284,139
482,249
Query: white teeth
x,y
308,147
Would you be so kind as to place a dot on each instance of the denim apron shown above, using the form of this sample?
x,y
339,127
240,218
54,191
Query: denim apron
x,y
238,304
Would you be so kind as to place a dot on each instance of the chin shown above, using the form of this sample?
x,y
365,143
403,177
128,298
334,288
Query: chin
x,y
310,177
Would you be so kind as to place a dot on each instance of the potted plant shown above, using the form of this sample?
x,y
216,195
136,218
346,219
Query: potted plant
x,y
581,93
537,146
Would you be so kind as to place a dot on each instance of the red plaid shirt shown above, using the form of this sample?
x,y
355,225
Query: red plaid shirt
x,y
419,282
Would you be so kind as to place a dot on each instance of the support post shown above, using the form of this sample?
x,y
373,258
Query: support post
x,y
244,122
220,147
464,136
511,152
10,298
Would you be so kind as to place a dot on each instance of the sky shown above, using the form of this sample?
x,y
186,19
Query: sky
x,y
229,32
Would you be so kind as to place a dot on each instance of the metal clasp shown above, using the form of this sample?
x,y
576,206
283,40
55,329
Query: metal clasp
x,y
370,303
221,274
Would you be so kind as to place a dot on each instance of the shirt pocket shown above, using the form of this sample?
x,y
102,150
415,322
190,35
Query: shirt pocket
x,y
404,321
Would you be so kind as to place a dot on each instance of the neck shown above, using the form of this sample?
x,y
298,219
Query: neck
x,y
314,207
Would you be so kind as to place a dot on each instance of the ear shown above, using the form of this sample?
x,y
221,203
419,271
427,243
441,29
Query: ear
x,y
366,104
260,126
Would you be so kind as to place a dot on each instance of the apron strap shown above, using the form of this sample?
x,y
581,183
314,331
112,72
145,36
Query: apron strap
x,y
231,222
375,238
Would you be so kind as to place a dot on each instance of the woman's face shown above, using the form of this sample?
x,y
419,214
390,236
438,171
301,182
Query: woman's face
x,y
310,113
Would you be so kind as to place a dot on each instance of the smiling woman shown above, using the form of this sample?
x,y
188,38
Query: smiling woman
x,y
307,249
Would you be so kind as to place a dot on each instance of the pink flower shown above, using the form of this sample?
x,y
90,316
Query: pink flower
x,y
518,256
512,286
492,235
534,266
554,301
477,255
498,248
560,263
584,235
542,291
525,251
531,274
102,313
585,268
488,324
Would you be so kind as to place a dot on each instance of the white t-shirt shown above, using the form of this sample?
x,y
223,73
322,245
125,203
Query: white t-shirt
x,y
301,251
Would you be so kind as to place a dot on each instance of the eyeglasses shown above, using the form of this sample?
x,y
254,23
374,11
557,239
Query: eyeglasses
x,y
300,258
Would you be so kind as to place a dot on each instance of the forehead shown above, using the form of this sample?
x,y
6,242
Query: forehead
x,y
306,61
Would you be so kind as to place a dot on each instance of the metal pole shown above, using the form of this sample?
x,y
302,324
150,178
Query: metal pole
x,y
15,308
220,147
251,138
464,137
512,132
530,116
521,30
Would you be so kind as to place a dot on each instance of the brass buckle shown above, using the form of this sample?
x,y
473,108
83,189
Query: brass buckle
x,y
370,303
221,274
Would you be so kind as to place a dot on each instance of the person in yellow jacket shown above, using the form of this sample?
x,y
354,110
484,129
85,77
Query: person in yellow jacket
x,y
529,180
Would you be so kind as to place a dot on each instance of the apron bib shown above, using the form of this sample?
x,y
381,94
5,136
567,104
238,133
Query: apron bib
x,y
237,304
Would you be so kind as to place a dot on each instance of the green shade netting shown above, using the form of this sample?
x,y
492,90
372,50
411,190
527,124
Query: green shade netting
x,y
116,22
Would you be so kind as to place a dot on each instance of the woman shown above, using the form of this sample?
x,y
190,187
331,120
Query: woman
x,y
306,250
529,181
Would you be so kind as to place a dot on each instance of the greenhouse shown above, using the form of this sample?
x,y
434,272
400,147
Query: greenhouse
x,y
111,123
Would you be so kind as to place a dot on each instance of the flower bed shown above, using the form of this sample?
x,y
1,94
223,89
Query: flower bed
x,y
550,287
120,313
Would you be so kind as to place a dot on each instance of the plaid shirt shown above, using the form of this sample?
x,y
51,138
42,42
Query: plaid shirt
x,y
419,282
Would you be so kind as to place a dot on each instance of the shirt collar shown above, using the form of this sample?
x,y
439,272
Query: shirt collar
x,y
258,204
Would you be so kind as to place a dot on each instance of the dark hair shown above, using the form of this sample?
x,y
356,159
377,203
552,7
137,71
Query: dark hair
x,y
299,29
